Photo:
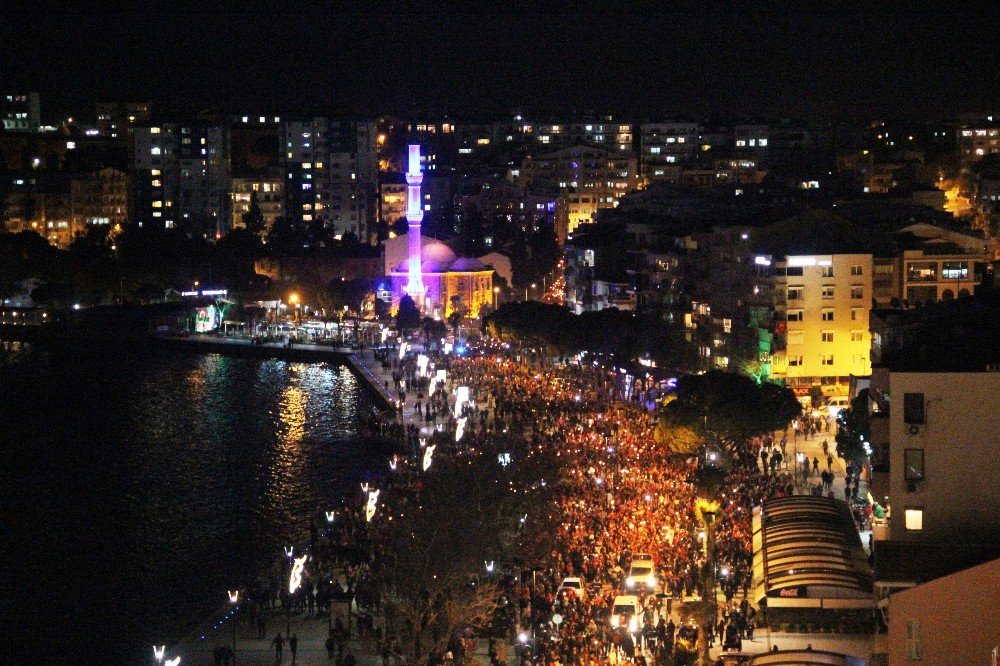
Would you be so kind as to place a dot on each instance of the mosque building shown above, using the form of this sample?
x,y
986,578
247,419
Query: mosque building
x,y
430,272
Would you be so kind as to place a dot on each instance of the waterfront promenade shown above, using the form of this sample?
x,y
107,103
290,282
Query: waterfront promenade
x,y
311,631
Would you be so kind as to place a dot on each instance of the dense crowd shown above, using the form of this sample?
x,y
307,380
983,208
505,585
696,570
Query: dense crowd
x,y
622,495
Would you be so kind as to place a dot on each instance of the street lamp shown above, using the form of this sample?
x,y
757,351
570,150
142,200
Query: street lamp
x,y
234,599
496,296
158,652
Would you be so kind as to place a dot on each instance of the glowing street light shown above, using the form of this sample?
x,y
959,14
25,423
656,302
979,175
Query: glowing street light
x,y
330,515
234,598
429,457
489,566
522,638
158,652
172,662
289,550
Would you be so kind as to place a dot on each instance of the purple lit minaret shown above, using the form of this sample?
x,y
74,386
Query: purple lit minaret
x,y
414,217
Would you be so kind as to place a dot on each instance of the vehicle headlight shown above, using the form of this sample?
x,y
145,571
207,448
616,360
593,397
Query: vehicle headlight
x,y
651,581
615,621
633,625
630,582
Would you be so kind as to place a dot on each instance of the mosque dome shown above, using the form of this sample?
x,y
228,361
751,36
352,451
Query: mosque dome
x,y
467,265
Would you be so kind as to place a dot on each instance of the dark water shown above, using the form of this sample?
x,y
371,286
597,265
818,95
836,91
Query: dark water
x,y
136,486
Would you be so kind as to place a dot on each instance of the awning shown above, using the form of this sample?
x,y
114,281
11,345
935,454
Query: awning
x,y
807,549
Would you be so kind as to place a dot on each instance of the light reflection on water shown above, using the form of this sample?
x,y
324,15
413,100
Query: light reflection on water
x,y
145,485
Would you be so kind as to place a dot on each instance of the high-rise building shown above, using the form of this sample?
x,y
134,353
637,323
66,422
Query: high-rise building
x,y
604,133
586,180
976,141
116,120
181,177
330,170
267,190
100,198
821,308
665,147
20,112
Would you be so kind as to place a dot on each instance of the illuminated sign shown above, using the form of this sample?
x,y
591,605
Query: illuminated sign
x,y
206,319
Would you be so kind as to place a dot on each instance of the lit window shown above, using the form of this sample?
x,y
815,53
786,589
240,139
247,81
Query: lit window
x,y
157,204
154,130
655,150
796,337
914,519
857,292
857,270
827,315
762,142
154,172
155,150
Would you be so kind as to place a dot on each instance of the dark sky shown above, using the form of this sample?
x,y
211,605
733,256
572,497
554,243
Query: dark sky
x,y
488,58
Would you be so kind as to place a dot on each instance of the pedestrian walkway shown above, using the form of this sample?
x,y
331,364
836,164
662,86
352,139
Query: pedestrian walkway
x,y
311,632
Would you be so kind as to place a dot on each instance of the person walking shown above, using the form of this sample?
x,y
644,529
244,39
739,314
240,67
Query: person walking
x,y
279,644
293,645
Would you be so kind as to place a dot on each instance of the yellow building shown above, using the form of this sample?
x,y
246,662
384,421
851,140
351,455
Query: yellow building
x,y
821,307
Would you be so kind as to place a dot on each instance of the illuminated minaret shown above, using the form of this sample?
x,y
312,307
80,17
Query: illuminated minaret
x,y
414,217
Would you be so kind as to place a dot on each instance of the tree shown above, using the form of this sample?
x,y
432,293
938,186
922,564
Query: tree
x,y
253,219
854,430
430,578
731,405
678,439
408,316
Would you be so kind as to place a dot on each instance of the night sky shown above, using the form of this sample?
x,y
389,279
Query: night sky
x,y
486,59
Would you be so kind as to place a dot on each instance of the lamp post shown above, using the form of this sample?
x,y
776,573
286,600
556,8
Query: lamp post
x,y
234,599
496,297
158,652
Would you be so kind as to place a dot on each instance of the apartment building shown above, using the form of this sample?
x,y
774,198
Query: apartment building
x,y
664,147
586,180
181,177
821,304
330,170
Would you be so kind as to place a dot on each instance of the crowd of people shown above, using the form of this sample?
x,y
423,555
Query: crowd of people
x,y
621,495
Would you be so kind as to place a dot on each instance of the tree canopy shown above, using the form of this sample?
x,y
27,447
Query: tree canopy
x,y
733,406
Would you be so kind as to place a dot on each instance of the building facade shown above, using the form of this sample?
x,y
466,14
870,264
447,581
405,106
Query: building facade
x,y
821,308
181,177
100,198
20,112
587,180
664,147
269,192
330,172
